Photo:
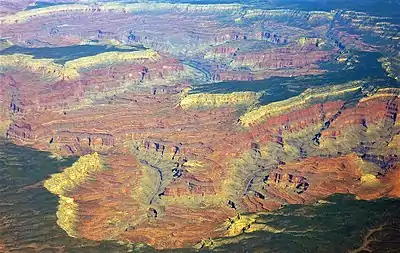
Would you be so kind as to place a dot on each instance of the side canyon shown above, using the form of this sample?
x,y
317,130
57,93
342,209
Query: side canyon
x,y
194,126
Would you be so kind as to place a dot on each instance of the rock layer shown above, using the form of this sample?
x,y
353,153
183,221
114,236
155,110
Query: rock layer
x,y
163,162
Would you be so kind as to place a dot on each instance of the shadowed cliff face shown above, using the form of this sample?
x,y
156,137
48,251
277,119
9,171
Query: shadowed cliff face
x,y
337,224
340,222
27,211
64,54
175,123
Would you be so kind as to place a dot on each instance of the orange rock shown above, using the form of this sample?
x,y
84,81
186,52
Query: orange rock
x,y
3,248
393,178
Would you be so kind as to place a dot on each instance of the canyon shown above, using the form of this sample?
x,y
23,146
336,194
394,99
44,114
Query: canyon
x,y
184,126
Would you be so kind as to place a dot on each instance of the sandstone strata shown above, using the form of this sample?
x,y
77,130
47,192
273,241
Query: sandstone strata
x,y
164,163
217,100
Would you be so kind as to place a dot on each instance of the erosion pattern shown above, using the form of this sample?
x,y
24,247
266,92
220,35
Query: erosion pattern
x,y
164,161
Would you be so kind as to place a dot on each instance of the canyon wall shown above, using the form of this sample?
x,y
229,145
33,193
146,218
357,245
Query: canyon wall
x,y
168,157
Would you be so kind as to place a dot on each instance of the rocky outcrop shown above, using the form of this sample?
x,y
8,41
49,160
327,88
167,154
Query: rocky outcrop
x,y
222,52
43,66
161,160
72,177
71,69
24,16
216,100
22,101
196,41
8,7
170,158
394,180
295,103
234,76
64,183
281,58
298,183
81,142
392,66
20,131
6,102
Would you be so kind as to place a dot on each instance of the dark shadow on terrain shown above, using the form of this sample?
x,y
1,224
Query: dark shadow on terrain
x,y
374,7
28,210
64,54
339,225
280,88
28,217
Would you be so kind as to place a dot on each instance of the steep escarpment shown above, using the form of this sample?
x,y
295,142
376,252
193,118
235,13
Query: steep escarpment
x,y
230,32
71,69
216,100
279,230
305,99
279,58
9,7
6,102
24,16
287,156
136,208
233,37
326,129
63,183
170,156
158,155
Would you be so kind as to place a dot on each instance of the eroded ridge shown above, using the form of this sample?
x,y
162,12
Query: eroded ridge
x,y
187,117
296,154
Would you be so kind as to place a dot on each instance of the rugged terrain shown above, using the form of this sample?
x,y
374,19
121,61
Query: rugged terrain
x,y
171,124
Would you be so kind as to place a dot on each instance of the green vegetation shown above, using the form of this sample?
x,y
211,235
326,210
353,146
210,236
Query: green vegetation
x,y
69,53
280,88
341,223
28,210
